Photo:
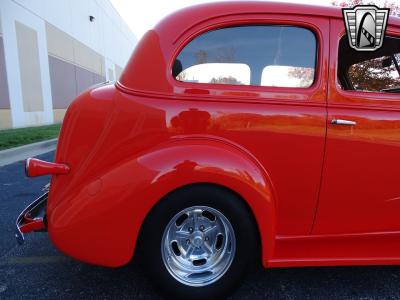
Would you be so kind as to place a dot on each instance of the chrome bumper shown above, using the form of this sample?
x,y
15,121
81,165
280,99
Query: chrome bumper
x,y
32,218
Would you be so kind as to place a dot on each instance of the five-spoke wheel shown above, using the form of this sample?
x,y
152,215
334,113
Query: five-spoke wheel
x,y
198,245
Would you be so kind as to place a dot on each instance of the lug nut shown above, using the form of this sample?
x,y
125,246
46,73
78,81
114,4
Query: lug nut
x,y
206,238
187,241
190,229
202,227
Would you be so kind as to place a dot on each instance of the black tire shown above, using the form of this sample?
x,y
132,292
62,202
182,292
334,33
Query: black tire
x,y
216,197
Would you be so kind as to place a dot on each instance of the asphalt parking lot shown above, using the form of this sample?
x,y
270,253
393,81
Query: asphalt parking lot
x,y
36,270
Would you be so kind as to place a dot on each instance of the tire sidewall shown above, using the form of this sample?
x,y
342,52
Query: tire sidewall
x,y
227,203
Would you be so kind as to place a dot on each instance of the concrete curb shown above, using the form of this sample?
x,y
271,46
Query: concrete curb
x,y
12,155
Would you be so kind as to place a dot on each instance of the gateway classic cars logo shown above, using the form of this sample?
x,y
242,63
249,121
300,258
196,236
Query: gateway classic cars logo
x,y
365,26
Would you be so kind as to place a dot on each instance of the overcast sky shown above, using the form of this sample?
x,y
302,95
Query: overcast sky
x,y
142,15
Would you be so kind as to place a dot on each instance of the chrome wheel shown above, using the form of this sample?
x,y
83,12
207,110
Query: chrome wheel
x,y
198,246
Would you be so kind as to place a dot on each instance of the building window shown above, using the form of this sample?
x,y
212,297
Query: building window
x,y
279,56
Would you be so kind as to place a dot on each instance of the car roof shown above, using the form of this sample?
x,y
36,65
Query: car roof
x,y
150,64
176,23
209,10
197,13
192,15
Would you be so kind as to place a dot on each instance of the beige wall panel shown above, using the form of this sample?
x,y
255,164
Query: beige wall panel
x,y
63,46
29,67
59,115
5,119
89,59
59,43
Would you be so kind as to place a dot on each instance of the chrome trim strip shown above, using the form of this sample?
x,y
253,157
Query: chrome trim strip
x,y
35,206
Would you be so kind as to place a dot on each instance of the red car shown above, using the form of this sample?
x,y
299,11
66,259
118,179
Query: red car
x,y
238,133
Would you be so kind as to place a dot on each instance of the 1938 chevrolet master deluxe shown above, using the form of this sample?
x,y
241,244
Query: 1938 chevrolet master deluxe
x,y
238,132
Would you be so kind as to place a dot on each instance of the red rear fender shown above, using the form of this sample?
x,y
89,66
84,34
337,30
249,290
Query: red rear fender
x,y
141,182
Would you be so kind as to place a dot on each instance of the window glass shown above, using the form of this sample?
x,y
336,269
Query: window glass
x,y
224,73
376,71
287,76
281,56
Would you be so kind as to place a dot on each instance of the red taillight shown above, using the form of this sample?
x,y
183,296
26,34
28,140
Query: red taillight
x,y
36,167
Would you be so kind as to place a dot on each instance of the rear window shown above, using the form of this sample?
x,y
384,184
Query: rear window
x,y
276,56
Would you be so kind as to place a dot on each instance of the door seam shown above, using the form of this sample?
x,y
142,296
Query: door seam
x,y
326,135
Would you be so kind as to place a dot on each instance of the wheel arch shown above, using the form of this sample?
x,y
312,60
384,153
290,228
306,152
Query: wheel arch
x,y
249,211
236,171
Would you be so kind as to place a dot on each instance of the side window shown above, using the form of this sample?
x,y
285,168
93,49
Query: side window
x,y
280,56
376,71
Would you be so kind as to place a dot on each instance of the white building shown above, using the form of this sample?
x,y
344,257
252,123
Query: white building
x,y
52,50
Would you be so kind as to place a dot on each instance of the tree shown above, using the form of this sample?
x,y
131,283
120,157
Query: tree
x,y
372,76
201,56
394,7
225,80
304,75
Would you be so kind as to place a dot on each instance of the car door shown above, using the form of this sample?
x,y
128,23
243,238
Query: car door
x,y
360,191
276,106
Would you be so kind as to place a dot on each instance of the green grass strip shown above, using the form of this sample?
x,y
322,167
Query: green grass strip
x,y
10,138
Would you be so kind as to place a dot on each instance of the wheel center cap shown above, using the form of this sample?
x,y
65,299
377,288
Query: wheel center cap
x,y
197,239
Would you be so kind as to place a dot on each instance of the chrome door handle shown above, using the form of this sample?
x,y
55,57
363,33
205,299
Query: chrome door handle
x,y
343,122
